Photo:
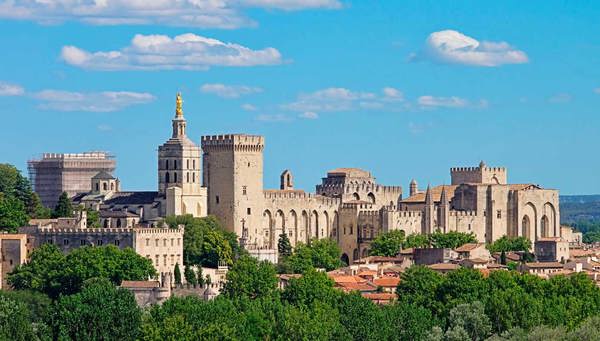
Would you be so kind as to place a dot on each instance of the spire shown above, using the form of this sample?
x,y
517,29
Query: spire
x,y
179,121
444,197
178,103
413,187
428,198
482,165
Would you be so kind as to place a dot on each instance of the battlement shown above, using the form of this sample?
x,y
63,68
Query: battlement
x,y
105,231
358,206
238,142
474,169
85,155
468,213
367,214
366,187
285,195
482,174
409,214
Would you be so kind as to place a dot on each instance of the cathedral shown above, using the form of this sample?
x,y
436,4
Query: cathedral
x,y
348,206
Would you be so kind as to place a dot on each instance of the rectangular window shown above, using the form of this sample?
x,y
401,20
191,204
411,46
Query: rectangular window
x,y
244,190
157,242
217,199
172,241
99,242
248,211
165,260
82,242
499,214
157,259
65,242
117,242
147,241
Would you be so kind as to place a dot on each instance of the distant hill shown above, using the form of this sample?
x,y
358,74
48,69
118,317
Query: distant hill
x,y
574,208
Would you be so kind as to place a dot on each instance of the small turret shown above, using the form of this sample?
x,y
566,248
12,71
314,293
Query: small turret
x,y
414,188
482,165
286,180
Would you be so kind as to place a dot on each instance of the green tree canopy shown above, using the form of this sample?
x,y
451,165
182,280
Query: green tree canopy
x,y
416,240
12,213
205,243
190,276
320,253
15,320
312,286
64,207
250,278
451,239
51,272
284,247
387,244
506,244
100,311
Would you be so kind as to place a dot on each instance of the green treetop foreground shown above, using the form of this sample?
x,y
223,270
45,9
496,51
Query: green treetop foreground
x,y
461,305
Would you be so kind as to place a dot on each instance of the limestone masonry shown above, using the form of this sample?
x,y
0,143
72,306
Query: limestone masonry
x,y
348,205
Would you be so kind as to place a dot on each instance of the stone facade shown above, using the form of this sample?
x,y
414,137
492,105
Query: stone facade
x,y
14,249
163,246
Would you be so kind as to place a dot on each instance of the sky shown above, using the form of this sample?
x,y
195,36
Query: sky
x,y
404,89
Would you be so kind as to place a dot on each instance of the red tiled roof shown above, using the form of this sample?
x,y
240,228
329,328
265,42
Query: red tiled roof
x,y
436,194
541,265
386,281
356,286
444,266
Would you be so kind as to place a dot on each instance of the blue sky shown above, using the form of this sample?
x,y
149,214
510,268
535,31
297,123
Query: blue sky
x,y
405,89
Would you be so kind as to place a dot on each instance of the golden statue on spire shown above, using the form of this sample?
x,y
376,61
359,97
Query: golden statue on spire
x,y
178,103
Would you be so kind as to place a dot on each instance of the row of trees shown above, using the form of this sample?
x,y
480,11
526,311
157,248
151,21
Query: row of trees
x,y
462,305
390,243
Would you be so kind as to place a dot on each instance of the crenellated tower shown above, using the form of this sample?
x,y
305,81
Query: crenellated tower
x,y
233,173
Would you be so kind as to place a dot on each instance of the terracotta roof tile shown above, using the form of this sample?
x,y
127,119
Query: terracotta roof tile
x,y
386,281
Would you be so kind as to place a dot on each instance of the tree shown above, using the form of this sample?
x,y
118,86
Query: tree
x,y
64,207
205,242
100,311
52,273
503,257
251,278
451,239
419,286
312,286
508,244
177,274
406,321
12,213
321,253
36,209
361,317
15,323
387,244
470,318
284,247
93,218
190,276
416,240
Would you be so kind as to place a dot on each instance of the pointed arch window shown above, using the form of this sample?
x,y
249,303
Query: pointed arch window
x,y
175,177
167,178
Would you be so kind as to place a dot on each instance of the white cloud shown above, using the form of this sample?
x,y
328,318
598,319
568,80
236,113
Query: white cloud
x,y
342,99
249,107
8,89
444,102
393,94
105,101
189,13
453,47
309,115
273,118
560,98
229,91
160,52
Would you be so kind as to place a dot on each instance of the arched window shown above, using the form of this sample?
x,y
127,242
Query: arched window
x,y
188,164
193,177
525,226
175,165
187,177
112,186
97,186
118,222
194,163
105,223
545,226
167,178
104,186
175,177
166,164
355,196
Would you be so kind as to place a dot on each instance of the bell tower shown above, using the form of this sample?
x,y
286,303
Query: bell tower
x,y
179,171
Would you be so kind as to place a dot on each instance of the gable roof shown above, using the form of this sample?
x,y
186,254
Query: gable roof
x,y
436,194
